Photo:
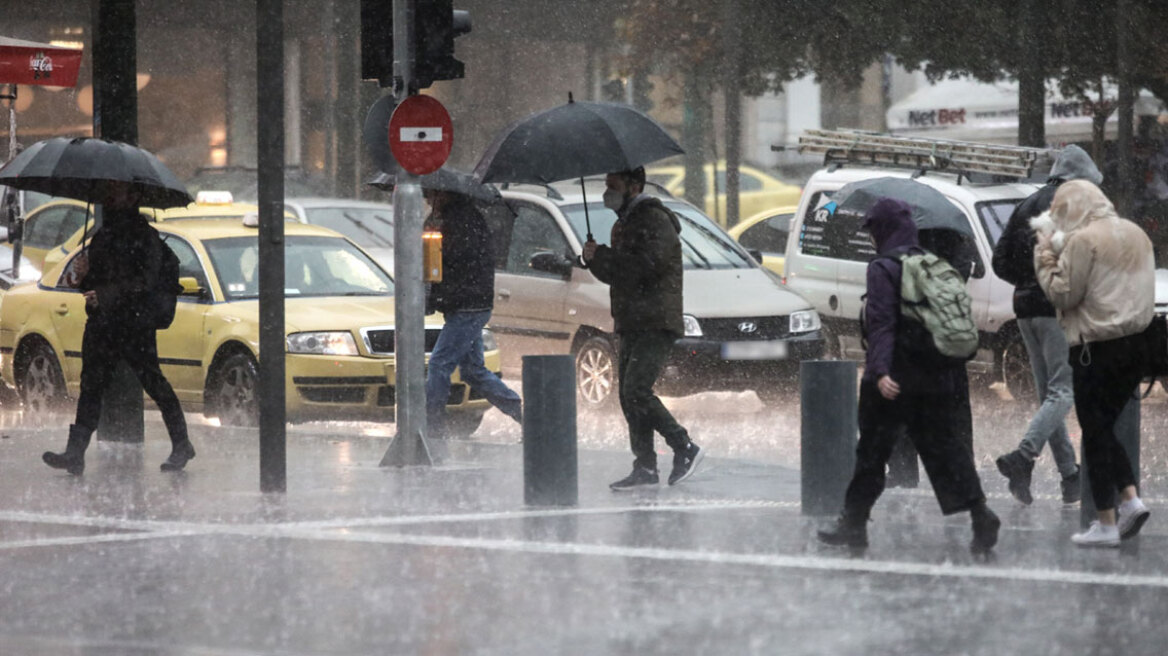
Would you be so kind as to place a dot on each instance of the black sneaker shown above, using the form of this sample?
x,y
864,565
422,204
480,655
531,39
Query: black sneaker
x,y
985,531
639,478
1017,469
685,463
1072,491
845,531
180,455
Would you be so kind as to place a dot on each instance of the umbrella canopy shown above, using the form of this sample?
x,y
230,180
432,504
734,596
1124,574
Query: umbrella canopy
x,y
573,141
85,168
931,210
444,179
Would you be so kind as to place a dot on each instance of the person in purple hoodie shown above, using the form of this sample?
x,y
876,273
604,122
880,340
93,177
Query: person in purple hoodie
x,y
897,392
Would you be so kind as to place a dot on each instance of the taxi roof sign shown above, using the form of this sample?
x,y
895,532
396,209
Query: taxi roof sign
x,y
214,198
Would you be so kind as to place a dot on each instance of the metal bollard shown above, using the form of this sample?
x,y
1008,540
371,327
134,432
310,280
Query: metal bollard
x,y
1127,431
549,430
829,429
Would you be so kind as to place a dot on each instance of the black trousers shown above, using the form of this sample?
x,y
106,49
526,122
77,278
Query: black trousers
x,y
931,422
1105,375
902,465
642,355
102,347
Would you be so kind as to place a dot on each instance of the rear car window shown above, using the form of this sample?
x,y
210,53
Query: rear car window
x,y
994,216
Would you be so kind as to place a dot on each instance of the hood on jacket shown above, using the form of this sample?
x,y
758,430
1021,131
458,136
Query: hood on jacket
x,y
652,202
1077,203
1073,163
890,223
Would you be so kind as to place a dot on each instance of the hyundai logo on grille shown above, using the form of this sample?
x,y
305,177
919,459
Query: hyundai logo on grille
x,y
748,327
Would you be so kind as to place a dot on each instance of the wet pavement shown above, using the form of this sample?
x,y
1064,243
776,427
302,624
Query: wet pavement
x,y
356,559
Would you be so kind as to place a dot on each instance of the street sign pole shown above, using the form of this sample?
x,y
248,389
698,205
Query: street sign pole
x,y
409,445
270,158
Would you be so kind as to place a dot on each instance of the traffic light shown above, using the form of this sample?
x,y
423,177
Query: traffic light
x,y
436,24
377,41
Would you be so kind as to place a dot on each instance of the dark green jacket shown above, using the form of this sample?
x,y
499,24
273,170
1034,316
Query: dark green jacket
x,y
643,269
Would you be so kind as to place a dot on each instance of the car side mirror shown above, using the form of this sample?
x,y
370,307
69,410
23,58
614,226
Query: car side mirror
x,y
191,287
548,262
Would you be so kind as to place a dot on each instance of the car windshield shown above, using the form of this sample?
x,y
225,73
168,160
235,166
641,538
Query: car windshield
x,y
369,227
703,244
995,215
313,266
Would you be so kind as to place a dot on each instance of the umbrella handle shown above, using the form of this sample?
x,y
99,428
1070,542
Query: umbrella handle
x,y
587,219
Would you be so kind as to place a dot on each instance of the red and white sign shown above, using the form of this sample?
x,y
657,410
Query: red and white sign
x,y
28,62
420,135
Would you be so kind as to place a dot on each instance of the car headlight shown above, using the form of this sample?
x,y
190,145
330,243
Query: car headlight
x,y
804,321
489,343
332,343
692,327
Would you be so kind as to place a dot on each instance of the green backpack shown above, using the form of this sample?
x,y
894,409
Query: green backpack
x,y
933,294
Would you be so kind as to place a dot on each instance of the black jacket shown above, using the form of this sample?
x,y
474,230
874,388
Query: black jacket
x,y
125,258
1014,255
468,263
643,268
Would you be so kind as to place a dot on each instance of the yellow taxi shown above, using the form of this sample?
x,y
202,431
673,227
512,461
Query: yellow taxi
x,y
757,191
765,234
339,313
53,229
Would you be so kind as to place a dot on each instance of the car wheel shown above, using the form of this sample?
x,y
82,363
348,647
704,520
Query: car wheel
x,y
231,391
41,383
1017,373
596,374
461,425
776,396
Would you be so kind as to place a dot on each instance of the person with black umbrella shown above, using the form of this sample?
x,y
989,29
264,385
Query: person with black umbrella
x,y
644,272
119,273
465,297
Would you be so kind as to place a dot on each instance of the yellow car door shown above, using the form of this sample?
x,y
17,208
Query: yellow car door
x,y
180,347
65,306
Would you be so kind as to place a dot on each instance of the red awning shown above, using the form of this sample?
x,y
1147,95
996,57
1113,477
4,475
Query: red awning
x,y
28,62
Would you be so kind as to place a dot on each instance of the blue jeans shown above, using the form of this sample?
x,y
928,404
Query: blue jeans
x,y
1047,346
460,345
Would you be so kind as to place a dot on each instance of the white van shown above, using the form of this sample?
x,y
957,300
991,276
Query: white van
x,y
827,258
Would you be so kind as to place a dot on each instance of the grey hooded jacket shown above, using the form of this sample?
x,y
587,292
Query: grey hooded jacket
x,y
1014,253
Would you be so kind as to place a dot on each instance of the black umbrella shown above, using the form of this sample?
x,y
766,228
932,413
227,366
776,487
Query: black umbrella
x,y
444,179
85,168
574,141
931,209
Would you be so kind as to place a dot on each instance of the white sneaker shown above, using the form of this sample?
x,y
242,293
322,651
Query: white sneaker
x,y
1097,535
1132,515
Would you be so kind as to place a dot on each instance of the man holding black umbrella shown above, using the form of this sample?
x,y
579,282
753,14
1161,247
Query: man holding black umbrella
x,y
644,272
118,273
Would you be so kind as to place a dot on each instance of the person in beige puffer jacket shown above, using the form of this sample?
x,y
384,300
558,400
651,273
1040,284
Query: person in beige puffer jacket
x,y
1098,271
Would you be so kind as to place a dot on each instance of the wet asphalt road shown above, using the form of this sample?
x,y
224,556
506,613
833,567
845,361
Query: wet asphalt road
x,y
355,559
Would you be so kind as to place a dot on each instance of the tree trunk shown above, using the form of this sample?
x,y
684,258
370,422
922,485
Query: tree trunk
x,y
733,98
1032,80
1126,186
693,131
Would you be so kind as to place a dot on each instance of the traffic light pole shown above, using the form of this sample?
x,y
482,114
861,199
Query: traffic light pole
x,y
409,445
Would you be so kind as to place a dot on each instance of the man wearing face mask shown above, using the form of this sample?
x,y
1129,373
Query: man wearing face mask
x,y
643,270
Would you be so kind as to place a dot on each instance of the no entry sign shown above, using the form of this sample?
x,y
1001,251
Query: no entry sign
x,y
420,135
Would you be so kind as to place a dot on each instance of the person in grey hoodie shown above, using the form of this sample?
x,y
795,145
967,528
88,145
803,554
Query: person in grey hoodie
x,y
1044,339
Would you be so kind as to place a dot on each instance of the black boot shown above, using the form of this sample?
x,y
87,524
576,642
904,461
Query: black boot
x,y
1017,468
848,530
181,449
985,528
73,459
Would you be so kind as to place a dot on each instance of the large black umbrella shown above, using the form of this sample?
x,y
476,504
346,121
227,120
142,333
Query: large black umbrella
x,y
931,210
444,179
575,140
85,168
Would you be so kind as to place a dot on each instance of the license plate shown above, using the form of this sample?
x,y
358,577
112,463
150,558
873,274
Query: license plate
x,y
776,350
